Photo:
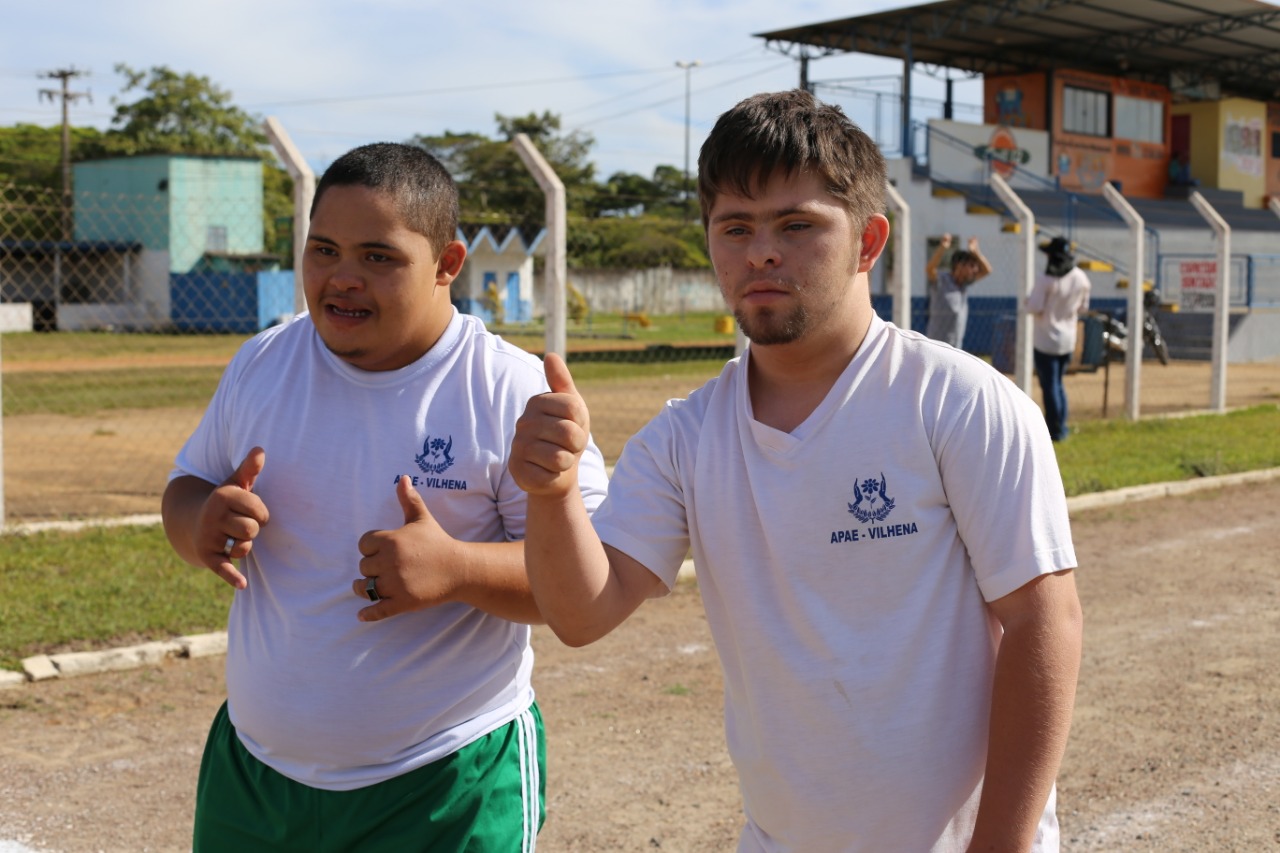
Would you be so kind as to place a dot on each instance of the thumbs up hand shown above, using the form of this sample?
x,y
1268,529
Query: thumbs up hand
x,y
551,435
231,518
412,567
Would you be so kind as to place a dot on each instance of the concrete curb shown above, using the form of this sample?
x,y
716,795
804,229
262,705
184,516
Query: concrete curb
x,y
72,526
71,664
1151,491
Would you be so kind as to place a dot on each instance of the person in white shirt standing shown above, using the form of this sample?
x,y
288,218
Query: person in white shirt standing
x,y
877,522
353,460
1057,301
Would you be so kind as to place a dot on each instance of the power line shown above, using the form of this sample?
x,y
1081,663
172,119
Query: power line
x,y
680,97
66,75
450,90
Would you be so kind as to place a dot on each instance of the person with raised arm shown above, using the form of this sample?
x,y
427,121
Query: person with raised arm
x,y
949,289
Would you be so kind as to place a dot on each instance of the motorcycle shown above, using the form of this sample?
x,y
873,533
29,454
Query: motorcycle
x,y
1115,332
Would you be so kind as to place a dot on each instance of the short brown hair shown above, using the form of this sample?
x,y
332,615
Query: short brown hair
x,y
789,132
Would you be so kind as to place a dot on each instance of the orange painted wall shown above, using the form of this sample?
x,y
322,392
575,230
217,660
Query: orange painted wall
x,y
1016,100
1084,163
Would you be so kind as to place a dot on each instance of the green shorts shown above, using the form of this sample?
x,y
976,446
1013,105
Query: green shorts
x,y
487,796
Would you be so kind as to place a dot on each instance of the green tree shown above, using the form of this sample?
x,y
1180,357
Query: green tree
x,y
626,221
629,194
493,184
637,242
31,155
180,114
31,177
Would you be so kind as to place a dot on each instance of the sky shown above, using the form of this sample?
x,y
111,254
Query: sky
x,y
340,74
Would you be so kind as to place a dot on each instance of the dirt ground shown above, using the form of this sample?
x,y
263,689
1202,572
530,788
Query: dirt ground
x,y
116,462
1175,744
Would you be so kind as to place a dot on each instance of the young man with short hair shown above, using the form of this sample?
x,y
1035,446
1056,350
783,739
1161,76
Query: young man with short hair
x,y
949,289
358,454
877,520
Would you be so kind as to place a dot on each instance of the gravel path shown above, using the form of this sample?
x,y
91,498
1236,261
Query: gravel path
x,y
1175,745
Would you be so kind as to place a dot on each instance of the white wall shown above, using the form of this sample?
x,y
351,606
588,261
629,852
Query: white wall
x,y
655,291
16,317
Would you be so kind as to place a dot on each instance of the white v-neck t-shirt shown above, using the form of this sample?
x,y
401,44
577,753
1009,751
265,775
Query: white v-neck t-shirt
x,y
844,568
314,693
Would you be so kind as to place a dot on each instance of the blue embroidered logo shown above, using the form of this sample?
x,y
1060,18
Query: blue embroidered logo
x,y
870,500
436,455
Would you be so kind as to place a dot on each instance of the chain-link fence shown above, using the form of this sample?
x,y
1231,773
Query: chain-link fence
x,y
121,304
119,308
119,311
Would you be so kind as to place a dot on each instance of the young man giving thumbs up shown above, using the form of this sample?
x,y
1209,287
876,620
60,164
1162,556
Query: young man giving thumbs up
x,y
877,520
354,460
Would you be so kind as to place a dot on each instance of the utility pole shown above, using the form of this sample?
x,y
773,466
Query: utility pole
x,y
68,97
688,67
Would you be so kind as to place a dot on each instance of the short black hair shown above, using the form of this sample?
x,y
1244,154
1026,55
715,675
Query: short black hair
x,y
424,192
962,256
790,132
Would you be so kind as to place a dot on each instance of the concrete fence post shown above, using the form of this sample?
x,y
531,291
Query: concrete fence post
x,y
901,285
1027,227
555,269
1221,301
304,190
1133,353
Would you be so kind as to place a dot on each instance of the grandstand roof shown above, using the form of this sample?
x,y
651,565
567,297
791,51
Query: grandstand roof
x,y
1199,48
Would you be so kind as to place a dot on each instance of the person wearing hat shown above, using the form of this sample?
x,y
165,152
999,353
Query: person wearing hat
x,y
1058,299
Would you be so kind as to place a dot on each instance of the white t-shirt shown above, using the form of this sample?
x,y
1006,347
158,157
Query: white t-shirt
x,y
314,693
1056,304
844,568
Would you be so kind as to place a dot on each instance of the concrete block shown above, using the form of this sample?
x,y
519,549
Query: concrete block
x,y
9,678
39,668
204,645
126,657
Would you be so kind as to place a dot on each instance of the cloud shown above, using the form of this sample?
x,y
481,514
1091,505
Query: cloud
x,y
339,74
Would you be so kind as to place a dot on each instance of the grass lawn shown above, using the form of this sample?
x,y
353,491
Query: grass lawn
x,y
594,331
101,587
84,392
74,346
81,391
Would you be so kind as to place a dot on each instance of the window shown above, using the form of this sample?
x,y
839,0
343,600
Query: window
x,y
1086,111
1139,119
215,239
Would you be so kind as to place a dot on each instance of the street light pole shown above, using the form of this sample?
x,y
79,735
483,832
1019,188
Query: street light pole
x,y
688,67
